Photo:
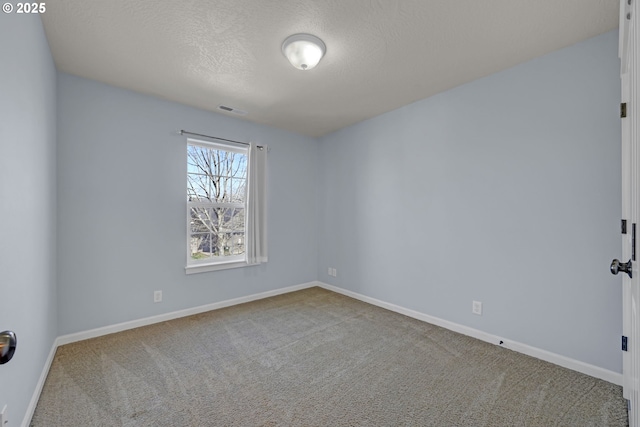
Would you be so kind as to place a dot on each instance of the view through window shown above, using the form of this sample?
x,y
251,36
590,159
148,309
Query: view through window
x,y
216,201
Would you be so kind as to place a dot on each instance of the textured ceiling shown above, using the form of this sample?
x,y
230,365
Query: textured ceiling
x,y
381,54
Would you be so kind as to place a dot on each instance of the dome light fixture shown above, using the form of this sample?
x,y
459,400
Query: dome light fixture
x,y
304,51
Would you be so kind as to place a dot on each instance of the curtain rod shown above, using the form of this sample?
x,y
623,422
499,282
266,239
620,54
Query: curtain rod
x,y
182,132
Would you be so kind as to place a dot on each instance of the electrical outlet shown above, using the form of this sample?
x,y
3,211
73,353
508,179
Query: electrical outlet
x,y
335,273
157,296
329,271
476,308
4,417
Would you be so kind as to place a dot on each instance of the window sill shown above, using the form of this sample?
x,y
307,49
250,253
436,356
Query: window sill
x,y
203,268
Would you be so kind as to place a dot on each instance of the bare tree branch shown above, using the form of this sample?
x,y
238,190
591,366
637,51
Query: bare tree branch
x,y
220,177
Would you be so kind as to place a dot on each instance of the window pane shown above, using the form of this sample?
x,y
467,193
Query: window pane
x,y
215,175
231,231
236,243
198,187
232,220
240,166
198,159
203,220
200,246
239,190
223,185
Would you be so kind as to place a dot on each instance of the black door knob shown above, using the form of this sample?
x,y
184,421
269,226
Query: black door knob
x,y
8,342
617,266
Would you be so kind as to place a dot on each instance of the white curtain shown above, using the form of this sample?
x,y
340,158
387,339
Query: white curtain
x,y
257,205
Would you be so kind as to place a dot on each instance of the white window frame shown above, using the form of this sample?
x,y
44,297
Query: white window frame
x,y
228,262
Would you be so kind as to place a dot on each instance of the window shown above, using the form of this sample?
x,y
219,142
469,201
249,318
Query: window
x,y
216,203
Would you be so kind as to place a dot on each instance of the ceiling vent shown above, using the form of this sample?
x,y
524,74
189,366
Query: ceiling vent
x,y
232,110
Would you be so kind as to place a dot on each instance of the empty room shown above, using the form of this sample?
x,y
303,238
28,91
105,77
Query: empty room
x,y
319,213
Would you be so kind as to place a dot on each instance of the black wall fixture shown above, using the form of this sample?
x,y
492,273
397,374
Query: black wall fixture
x,y
8,342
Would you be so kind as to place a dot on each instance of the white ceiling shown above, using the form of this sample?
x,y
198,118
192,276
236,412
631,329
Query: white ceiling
x,y
381,54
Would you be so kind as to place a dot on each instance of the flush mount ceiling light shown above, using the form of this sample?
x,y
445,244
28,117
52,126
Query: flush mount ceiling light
x,y
304,51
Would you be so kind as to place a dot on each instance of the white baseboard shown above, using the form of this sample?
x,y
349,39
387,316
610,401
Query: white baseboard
x,y
119,327
557,359
36,393
566,362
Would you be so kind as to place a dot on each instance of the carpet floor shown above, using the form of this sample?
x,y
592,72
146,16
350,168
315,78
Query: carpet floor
x,y
313,358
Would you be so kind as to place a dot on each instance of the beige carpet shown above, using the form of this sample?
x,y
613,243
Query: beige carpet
x,y
313,358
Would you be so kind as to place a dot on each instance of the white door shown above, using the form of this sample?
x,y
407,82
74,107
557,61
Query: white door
x,y
628,265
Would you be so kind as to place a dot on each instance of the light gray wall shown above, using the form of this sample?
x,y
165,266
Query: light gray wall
x,y
505,190
122,207
27,205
